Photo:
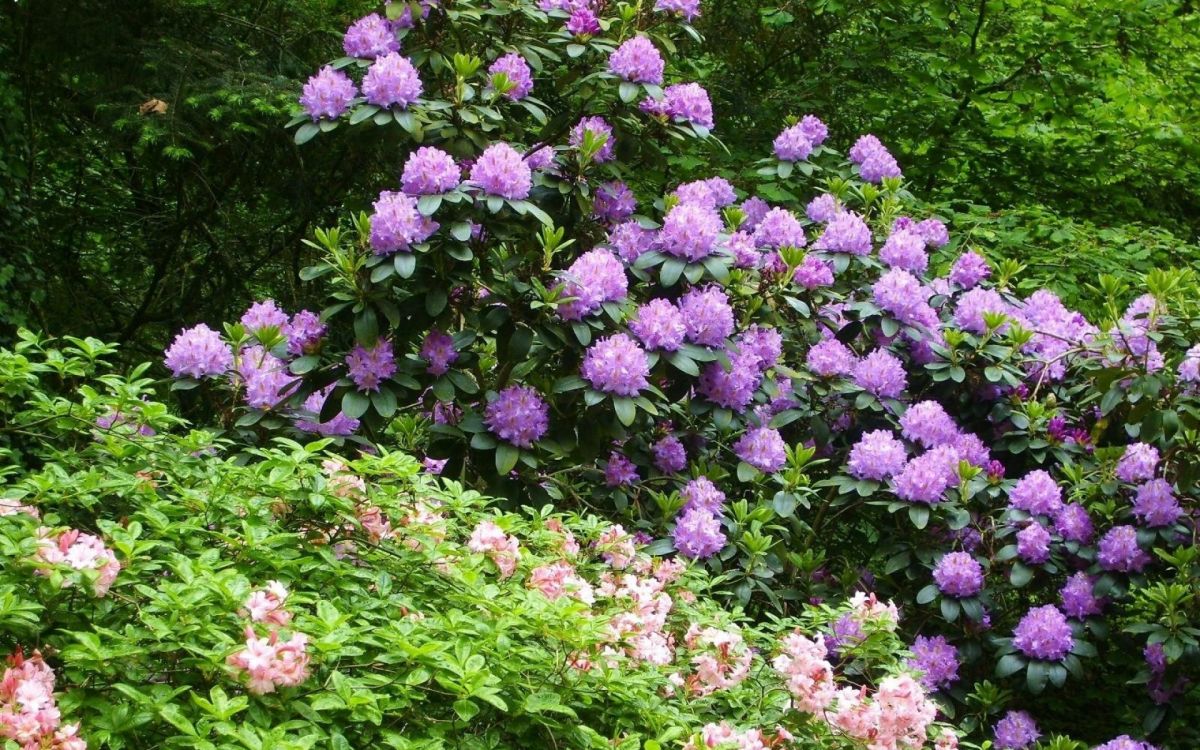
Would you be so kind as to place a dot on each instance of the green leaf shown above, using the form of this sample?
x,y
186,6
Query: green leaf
x,y
628,91
384,402
435,301
1009,664
405,264
1037,674
672,269
1020,575
919,515
927,594
461,231
465,709
626,409
355,404
305,132
506,458
429,204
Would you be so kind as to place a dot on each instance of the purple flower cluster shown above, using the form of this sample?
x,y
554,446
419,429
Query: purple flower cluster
x,y
370,367
925,478
1073,524
793,144
1138,463
881,374
829,358
1119,551
617,365
779,228
846,232
1036,493
601,131
1078,601
338,425
688,9
1125,742
927,423
369,37
438,350
614,202
659,325
969,269
690,231
583,22
822,208
304,333
327,95
959,575
698,534
669,455
1033,544
905,249
763,448
265,378
500,170
518,415
198,352
1015,731
514,68
397,225
429,171
392,81
683,101
619,471
707,316
937,661
702,493
637,60
1044,633
874,161
594,278
1155,504
877,455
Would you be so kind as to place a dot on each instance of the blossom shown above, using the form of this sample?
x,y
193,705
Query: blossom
x,y
905,250
688,102
1016,730
707,316
901,294
669,455
822,208
1043,633
637,60
392,81
265,377
1073,524
583,22
541,159
763,448
602,134
925,478
1036,493
659,325
78,551
368,367
881,374
969,269
690,231
513,67
813,272
779,228
1137,463
1189,368
337,425
698,534
518,415
370,36
755,209
263,314
937,661
689,9
304,333
438,350
1033,544
198,352
1125,742
732,388
830,357
558,579
594,278
877,455
619,471
617,365
928,423
806,672
959,575
972,306
500,170
793,144
763,343
489,539
715,192
266,605
721,659
1155,504
614,202
1118,551
874,161
429,171
1078,601
846,232
397,225
702,493
934,232
328,94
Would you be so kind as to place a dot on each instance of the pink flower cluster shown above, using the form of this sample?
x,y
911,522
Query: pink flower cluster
x,y
897,715
78,551
271,662
29,715
489,539
721,659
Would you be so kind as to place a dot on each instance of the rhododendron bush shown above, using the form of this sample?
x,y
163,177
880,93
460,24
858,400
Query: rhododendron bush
x,y
302,600
784,372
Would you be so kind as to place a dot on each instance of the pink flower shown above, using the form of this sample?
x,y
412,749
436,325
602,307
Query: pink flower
x,y
809,677
559,579
266,605
81,552
270,662
489,539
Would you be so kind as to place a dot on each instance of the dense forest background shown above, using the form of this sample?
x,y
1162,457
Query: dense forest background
x,y
146,181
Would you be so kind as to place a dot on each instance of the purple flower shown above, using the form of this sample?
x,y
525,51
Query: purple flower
x,y
927,423
438,350
864,147
520,78
1155,504
874,161
392,81
198,352
327,94
715,192
1189,368
793,144
337,425
518,415
601,132
659,325
813,273
541,159
968,314
1138,463
614,202
617,365
830,357
1073,524
630,240
846,232
369,367
937,661
1119,551
703,494
900,293
1078,601
881,374
304,333
847,632
433,465
1043,633
926,478
1016,731
501,171
688,102
265,378
762,448
905,250
779,228
970,269
594,278
698,534
689,9
755,209
583,22
1036,493
707,316
877,455
934,232
370,36
429,171
764,343
814,129
264,314
1033,544
397,225
669,455
690,231
619,471
822,208
958,575
1125,742
637,60
733,388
